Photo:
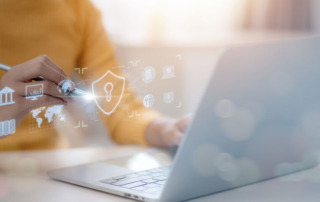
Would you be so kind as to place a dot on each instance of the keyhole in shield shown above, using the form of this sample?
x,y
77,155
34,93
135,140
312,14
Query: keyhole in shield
x,y
108,88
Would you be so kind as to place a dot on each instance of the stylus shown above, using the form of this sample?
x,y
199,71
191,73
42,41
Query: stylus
x,y
76,91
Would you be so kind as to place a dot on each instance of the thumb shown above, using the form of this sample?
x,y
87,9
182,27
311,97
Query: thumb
x,y
183,123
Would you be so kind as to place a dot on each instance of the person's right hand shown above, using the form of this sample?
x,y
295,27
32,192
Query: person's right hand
x,y
21,76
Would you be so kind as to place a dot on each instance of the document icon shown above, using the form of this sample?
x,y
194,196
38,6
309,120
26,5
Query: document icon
x,y
168,97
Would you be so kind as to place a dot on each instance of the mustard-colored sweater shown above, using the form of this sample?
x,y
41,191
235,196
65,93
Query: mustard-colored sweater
x,y
70,32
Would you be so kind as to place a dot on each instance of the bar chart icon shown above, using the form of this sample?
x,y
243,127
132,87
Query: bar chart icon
x,y
33,92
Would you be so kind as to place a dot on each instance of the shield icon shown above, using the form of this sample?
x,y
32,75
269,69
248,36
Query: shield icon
x,y
108,91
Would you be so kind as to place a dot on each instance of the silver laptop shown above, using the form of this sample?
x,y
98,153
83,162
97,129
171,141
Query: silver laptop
x,y
258,119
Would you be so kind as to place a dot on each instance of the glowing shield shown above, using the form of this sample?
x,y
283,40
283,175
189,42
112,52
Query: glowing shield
x,y
108,91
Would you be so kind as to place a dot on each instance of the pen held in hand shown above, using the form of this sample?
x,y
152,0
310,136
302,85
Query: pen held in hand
x,y
76,91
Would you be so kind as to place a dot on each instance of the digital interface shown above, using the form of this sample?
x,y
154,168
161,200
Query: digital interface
x,y
34,91
47,117
6,96
106,93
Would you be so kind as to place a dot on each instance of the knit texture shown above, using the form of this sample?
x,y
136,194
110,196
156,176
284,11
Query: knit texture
x,y
70,32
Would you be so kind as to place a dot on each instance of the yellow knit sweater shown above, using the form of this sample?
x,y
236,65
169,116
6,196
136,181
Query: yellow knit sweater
x,y
71,33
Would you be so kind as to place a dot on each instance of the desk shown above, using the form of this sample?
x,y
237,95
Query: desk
x,y
32,184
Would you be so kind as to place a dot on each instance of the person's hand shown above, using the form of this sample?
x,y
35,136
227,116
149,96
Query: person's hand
x,y
167,132
21,76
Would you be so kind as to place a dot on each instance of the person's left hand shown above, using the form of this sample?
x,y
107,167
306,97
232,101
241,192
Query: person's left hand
x,y
167,132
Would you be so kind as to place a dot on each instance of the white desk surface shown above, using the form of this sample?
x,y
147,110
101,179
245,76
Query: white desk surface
x,y
20,184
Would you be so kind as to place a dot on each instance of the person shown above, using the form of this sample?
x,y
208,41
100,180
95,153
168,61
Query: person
x,y
50,38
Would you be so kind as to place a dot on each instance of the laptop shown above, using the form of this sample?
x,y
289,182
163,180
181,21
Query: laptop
x,y
258,119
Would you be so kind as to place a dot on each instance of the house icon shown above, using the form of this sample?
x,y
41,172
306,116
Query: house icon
x,y
6,96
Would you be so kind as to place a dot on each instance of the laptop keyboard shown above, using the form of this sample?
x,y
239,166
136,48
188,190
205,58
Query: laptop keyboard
x,y
148,181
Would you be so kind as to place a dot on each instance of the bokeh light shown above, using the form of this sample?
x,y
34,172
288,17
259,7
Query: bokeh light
x,y
89,96
142,161
226,166
202,165
224,108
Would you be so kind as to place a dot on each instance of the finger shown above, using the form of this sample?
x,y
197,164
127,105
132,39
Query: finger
x,y
40,66
31,65
177,137
49,100
39,88
183,123
52,64
48,61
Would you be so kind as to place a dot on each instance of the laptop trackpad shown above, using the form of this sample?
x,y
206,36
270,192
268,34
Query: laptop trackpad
x,y
93,172
150,159
88,173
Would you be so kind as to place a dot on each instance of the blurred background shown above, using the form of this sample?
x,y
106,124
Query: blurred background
x,y
189,35
142,29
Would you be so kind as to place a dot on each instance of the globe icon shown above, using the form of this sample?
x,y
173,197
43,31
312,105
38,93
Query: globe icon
x,y
148,100
66,86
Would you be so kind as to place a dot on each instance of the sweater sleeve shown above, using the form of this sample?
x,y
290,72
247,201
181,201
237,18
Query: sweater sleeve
x,y
98,55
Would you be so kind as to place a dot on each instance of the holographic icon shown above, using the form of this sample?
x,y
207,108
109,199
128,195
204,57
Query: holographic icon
x,y
102,89
168,72
53,115
7,127
148,100
66,86
108,88
148,74
33,92
168,97
6,96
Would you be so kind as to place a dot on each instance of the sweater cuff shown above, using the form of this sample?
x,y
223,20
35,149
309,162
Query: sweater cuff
x,y
133,130
144,122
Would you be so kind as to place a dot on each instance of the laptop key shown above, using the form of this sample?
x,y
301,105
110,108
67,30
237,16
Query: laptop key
x,y
149,181
155,170
156,174
123,182
135,184
143,173
109,181
118,178
151,185
161,182
153,190
132,175
165,172
140,188
145,177
160,178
